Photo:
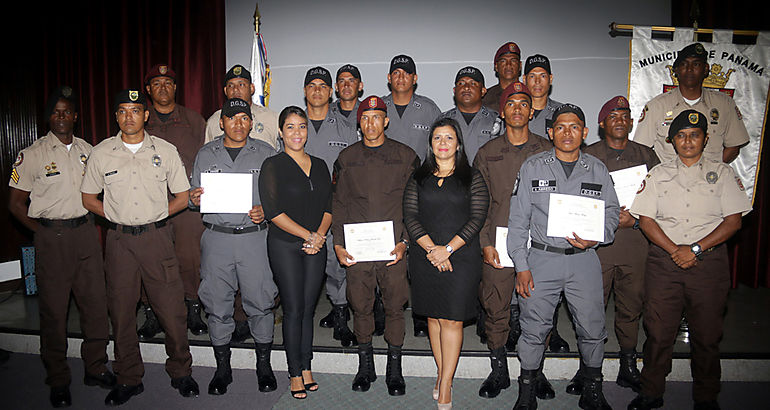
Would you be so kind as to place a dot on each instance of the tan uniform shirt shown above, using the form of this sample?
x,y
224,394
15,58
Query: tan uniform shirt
x,y
52,175
689,202
499,162
726,127
264,127
135,185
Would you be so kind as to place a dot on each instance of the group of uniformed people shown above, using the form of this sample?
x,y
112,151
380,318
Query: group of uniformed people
x,y
662,257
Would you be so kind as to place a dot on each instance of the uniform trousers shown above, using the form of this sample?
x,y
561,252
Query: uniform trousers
x,y
496,292
623,273
133,261
363,279
299,277
701,292
336,279
232,262
69,261
580,277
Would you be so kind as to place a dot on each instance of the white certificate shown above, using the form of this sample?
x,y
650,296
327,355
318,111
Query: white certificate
x,y
627,182
226,193
578,214
370,241
501,246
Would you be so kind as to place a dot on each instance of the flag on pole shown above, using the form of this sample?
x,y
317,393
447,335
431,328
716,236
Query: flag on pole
x,y
260,71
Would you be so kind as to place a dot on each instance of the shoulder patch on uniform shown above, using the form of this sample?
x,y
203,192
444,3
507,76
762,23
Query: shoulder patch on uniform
x,y
19,159
516,186
497,126
737,181
642,186
644,111
738,113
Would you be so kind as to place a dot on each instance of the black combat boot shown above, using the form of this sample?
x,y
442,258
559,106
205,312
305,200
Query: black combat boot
x,y
365,375
642,402
223,376
379,314
241,332
527,385
328,320
628,375
265,376
515,329
499,378
151,326
393,375
592,397
575,386
194,321
341,330
543,388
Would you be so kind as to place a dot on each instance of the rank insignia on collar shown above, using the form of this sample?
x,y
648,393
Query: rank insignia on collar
x,y
156,160
711,177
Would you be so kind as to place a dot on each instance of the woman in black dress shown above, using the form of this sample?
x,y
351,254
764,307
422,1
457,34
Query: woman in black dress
x,y
445,205
295,190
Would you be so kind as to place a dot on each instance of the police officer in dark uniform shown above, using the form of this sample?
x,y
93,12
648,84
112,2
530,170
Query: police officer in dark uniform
x,y
499,161
507,64
136,170
328,134
234,249
68,254
688,207
369,178
183,128
555,264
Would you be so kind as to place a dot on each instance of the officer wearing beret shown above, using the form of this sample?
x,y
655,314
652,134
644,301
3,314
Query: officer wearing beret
x,y
183,128
369,181
726,131
136,170
499,161
234,249
688,207
68,253
478,123
553,264
410,114
328,134
265,125
349,88
538,78
507,65
622,261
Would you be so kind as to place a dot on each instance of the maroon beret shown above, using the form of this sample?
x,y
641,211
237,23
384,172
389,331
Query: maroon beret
x,y
509,47
516,87
160,70
615,103
369,103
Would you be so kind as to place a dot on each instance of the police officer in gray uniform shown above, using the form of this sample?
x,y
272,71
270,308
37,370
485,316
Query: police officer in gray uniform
x,y
479,124
410,114
552,264
348,89
234,248
328,133
538,78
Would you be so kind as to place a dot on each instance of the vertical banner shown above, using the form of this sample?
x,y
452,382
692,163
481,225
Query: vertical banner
x,y
740,71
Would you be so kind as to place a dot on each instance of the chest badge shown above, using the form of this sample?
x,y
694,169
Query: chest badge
x,y
156,161
259,127
50,170
714,116
83,158
712,177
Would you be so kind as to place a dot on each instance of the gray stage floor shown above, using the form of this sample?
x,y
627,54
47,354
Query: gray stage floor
x,y
746,335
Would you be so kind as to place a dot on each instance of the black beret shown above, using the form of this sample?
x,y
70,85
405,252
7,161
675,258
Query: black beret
x,y
687,119
63,92
693,50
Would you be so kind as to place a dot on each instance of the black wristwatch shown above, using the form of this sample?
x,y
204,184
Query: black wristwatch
x,y
696,249
405,242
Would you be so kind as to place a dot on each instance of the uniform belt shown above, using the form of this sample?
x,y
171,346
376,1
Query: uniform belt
x,y
136,229
241,229
68,223
554,249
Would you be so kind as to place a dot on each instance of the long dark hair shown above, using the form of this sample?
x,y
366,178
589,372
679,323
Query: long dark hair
x,y
286,112
462,169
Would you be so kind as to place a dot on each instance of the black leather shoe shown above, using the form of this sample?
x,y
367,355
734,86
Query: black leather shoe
x,y
241,332
328,320
576,384
121,393
420,326
151,326
186,385
105,380
194,321
60,396
642,402
706,405
543,388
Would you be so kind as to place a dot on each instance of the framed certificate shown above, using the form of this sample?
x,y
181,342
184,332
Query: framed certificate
x,y
226,193
578,214
370,241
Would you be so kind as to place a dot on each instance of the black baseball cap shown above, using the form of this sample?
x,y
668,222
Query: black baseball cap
x,y
349,68
403,62
470,72
234,106
320,73
537,60
566,109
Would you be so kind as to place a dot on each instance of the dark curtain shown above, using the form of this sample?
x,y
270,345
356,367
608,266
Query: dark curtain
x,y
101,48
750,247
